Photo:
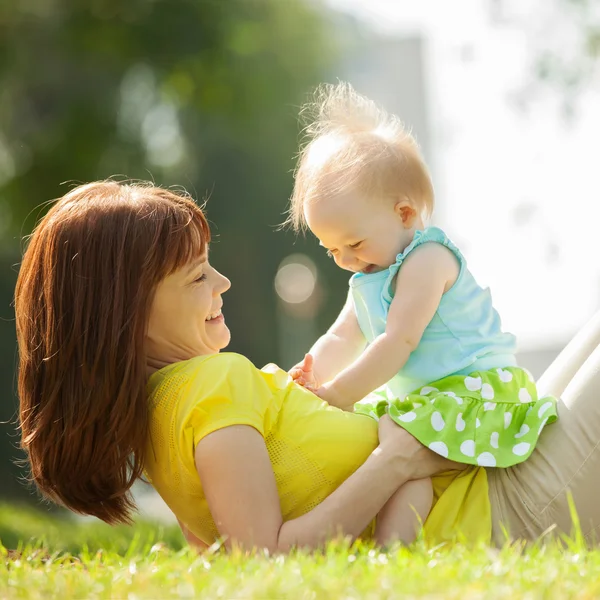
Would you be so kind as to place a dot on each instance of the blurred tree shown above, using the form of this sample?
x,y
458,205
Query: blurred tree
x,y
578,63
199,93
567,55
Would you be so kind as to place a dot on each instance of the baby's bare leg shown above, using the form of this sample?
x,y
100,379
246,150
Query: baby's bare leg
x,y
402,516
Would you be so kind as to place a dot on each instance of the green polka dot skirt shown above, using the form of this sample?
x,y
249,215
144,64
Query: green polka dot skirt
x,y
489,418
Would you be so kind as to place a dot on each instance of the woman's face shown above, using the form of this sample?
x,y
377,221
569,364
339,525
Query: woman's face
x,y
185,317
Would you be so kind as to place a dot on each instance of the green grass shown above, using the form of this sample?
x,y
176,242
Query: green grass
x,y
74,559
60,532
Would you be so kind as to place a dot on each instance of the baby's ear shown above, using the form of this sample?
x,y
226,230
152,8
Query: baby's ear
x,y
407,212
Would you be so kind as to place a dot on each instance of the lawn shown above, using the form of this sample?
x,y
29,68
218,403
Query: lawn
x,y
60,557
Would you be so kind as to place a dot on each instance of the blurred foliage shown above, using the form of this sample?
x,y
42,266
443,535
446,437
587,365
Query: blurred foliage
x,y
568,57
27,526
202,94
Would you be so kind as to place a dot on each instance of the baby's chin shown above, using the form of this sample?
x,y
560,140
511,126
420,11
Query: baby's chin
x,y
372,269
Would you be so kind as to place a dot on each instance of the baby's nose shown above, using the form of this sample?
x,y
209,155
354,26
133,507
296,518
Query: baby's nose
x,y
347,261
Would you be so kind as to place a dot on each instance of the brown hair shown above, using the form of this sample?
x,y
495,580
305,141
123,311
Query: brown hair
x,y
82,304
353,143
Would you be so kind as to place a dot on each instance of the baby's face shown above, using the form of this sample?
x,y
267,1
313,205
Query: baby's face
x,y
360,234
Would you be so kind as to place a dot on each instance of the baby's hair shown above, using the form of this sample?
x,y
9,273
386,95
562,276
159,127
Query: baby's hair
x,y
351,143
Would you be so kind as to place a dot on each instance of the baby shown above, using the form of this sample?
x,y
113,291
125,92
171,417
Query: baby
x,y
416,329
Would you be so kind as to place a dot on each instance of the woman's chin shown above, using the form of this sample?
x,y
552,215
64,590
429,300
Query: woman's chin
x,y
219,333
224,338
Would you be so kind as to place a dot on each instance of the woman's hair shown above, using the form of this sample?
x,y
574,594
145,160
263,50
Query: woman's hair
x,y
354,144
82,303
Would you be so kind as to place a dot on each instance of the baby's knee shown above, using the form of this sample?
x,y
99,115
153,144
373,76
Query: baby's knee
x,y
420,491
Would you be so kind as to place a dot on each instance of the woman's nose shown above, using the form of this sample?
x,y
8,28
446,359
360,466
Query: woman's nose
x,y
222,285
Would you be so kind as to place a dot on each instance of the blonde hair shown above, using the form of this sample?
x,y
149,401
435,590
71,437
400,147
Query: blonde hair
x,y
354,144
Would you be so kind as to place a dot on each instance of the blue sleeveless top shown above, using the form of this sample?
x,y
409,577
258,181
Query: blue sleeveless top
x,y
464,335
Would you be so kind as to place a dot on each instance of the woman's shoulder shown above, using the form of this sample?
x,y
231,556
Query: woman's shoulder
x,y
223,374
229,368
209,392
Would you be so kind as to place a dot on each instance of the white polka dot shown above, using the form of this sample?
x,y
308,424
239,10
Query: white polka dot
x,y
460,422
524,396
439,448
437,421
505,376
494,439
473,383
489,405
468,448
458,399
477,423
487,391
427,390
486,459
543,424
521,449
543,408
407,417
523,431
507,419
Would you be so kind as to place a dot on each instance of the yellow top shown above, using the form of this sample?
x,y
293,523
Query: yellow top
x,y
313,447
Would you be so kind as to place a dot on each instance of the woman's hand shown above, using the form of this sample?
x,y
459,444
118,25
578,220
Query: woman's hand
x,y
415,460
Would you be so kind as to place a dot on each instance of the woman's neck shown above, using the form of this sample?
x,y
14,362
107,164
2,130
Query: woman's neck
x,y
155,363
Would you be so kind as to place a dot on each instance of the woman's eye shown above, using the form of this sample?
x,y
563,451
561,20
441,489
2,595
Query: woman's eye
x,y
356,246
201,278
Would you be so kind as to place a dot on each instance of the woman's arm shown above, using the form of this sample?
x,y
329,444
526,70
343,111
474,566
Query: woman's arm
x,y
240,488
191,539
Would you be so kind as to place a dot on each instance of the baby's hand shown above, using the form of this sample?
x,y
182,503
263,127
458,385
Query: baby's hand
x,y
329,393
303,373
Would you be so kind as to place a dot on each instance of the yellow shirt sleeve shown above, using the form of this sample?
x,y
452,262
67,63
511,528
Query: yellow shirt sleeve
x,y
222,390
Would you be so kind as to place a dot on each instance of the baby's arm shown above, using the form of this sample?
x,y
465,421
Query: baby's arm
x,y
334,350
429,271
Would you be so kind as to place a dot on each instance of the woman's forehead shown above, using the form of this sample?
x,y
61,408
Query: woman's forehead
x,y
196,262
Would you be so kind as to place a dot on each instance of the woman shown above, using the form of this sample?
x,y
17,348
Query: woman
x,y
120,329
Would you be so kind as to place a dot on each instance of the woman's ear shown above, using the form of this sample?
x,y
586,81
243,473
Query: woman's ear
x,y
406,211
